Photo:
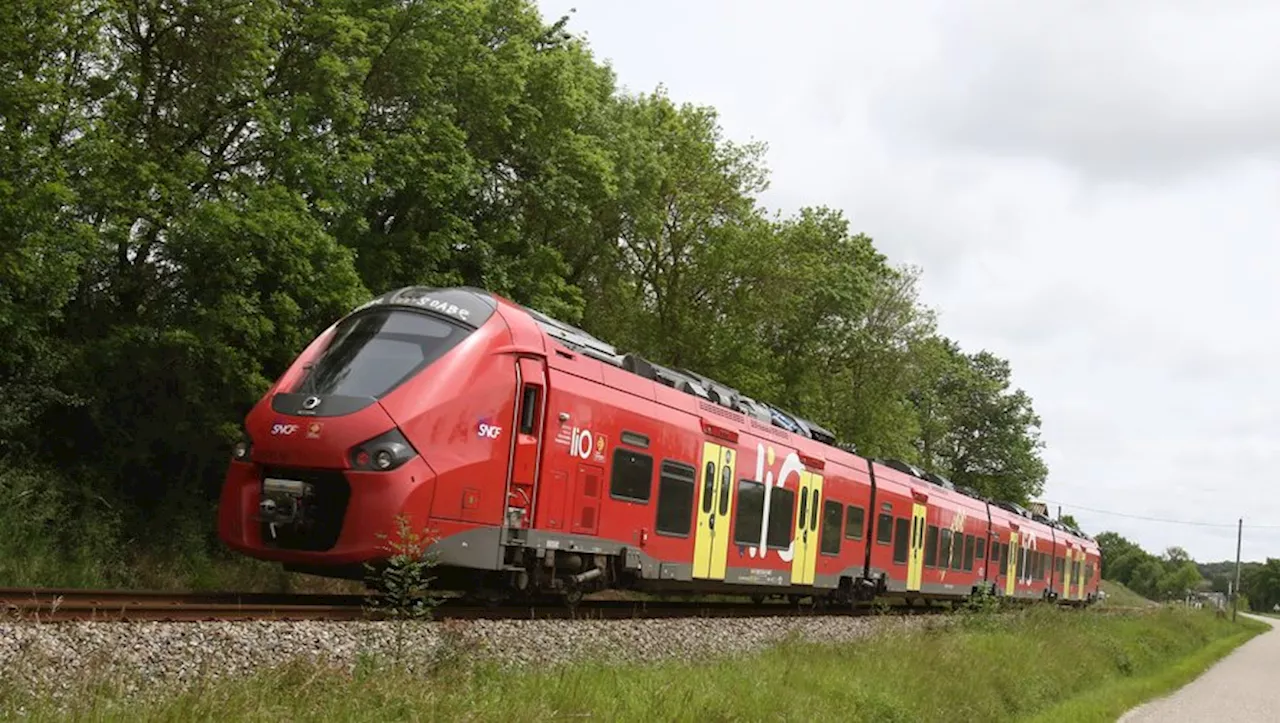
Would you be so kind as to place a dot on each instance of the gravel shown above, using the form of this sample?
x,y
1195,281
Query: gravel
x,y
141,656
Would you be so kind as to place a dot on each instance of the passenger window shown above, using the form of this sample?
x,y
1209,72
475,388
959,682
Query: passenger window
x,y
884,528
853,523
901,540
782,508
832,514
982,547
968,552
749,515
995,552
529,409
944,548
957,551
931,546
632,476
676,484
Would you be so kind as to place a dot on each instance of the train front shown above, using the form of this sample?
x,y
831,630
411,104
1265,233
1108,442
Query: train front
x,y
375,422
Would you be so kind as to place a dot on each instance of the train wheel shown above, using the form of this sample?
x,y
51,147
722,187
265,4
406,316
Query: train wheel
x,y
572,596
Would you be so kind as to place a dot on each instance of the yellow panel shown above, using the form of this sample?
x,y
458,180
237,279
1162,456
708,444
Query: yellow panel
x,y
1067,573
1011,565
815,517
704,539
799,544
915,559
723,511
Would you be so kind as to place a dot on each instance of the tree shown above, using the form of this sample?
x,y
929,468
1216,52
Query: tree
x,y
973,427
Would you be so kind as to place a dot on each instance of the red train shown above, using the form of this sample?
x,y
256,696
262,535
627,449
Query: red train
x,y
545,462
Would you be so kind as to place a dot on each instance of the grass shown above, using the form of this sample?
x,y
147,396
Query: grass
x,y
1120,596
1055,664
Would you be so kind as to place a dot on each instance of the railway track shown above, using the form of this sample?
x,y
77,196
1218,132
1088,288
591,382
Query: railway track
x,y
68,604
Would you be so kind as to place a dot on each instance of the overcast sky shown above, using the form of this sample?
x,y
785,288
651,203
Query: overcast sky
x,y
1091,190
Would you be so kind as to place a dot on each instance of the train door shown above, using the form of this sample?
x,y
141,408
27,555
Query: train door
x,y
1068,556
805,562
711,539
526,440
915,561
1011,563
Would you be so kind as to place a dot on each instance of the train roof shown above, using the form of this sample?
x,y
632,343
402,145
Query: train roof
x,y
473,306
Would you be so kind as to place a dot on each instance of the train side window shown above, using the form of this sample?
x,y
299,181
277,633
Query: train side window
x,y
995,552
853,523
931,546
782,508
675,499
968,553
944,548
884,528
957,551
632,476
832,521
901,540
529,408
749,514
982,548
1022,562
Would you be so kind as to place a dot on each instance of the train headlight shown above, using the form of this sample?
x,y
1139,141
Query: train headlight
x,y
385,452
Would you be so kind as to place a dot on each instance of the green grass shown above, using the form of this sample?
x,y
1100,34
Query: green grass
x,y
1120,596
1034,662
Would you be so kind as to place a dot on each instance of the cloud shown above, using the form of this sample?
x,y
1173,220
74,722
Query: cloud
x,y
1091,192
1139,90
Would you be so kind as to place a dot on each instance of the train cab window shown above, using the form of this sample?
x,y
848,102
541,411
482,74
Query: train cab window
x,y
944,548
749,513
782,509
931,546
968,552
853,523
832,521
675,499
901,540
982,548
632,476
884,528
373,352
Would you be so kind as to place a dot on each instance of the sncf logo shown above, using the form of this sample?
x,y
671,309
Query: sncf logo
x,y
280,429
488,431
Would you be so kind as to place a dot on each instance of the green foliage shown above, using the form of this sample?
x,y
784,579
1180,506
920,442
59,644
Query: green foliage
x,y
191,192
1168,577
403,583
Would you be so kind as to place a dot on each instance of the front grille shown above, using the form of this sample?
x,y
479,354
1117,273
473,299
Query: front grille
x,y
318,522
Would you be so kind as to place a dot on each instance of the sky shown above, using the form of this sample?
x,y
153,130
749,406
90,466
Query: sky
x,y
1091,189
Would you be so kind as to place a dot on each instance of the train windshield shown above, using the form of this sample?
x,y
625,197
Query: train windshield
x,y
373,352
